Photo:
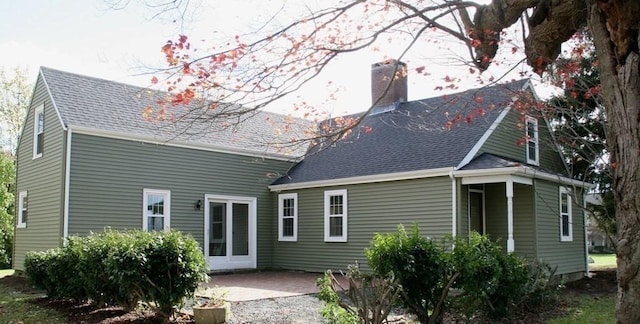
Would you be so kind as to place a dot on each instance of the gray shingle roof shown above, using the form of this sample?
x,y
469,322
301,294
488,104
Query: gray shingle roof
x,y
412,137
113,107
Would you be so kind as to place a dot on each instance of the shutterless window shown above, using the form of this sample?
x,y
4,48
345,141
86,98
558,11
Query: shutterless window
x,y
22,209
566,226
532,140
335,216
288,217
38,132
156,210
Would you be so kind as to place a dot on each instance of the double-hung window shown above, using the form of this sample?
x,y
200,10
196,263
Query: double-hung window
x,y
335,216
566,226
38,132
532,145
156,214
22,209
288,217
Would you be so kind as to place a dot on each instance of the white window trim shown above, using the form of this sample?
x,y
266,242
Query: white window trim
x,y
21,197
39,110
167,207
281,199
566,238
534,139
327,201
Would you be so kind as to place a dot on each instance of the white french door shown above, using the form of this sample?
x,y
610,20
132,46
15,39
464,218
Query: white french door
x,y
230,232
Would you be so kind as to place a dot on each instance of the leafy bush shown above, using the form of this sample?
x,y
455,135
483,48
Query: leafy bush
x,y
160,268
419,265
495,284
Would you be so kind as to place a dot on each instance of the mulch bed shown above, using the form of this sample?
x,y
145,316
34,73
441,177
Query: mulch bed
x,y
602,283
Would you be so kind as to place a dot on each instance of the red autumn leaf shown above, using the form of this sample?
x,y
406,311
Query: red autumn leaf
x,y
183,38
154,80
420,69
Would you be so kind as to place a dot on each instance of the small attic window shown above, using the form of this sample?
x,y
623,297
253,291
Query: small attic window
x,y
38,131
531,134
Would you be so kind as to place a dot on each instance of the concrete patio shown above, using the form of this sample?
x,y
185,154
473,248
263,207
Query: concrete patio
x,y
260,285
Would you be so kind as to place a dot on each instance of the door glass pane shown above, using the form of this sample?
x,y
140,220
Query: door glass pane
x,y
240,229
217,229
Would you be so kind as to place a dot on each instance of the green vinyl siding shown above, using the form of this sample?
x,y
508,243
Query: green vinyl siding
x,y
108,176
568,256
504,141
42,179
524,221
372,208
495,197
523,217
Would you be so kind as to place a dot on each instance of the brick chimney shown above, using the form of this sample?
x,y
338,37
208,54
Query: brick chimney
x,y
388,83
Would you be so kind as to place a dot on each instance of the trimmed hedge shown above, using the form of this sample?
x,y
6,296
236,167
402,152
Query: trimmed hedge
x,y
123,268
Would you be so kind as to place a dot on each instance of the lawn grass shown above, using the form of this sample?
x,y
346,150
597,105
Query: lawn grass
x,y
589,309
603,261
17,307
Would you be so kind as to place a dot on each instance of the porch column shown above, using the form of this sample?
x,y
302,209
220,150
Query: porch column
x,y
510,242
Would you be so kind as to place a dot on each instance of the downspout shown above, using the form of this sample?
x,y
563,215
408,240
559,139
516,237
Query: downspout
x,y
65,215
586,239
454,204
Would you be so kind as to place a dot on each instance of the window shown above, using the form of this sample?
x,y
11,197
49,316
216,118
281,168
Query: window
x,y
288,217
566,226
22,209
532,140
156,210
38,132
335,216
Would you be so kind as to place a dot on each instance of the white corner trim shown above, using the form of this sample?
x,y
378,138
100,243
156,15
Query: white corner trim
x,y
55,107
182,144
454,205
67,177
474,150
418,174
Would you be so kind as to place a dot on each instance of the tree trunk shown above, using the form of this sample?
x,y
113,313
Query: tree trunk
x,y
620,80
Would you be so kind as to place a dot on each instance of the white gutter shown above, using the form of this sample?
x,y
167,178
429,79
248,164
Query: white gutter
x,y
182,144
67,175
522,171
419,174
454,205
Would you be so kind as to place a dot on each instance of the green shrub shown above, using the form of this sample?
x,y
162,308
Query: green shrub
x,y
173,269
35,268
160,268
54,271
419,265
492,281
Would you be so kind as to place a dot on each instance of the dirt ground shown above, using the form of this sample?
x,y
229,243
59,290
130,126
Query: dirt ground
x,y
602,283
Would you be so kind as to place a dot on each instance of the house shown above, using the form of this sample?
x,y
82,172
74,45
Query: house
x,y
471,161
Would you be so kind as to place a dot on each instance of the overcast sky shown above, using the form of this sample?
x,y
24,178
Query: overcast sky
x,y
86,37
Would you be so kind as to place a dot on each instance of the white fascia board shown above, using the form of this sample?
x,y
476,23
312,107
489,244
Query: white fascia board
x,y
527,171
55,107
419,174
474,150
182,144
523,173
